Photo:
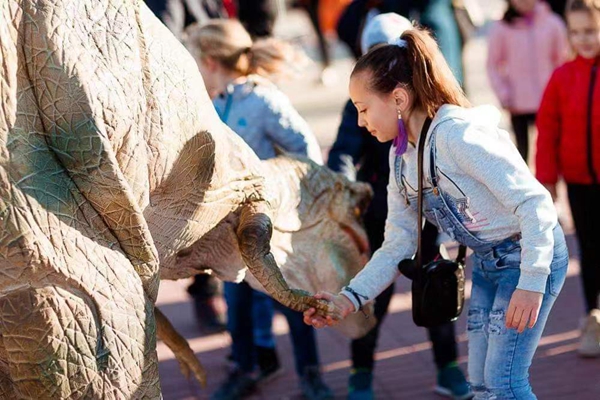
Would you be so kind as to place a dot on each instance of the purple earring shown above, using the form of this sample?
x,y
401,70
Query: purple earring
x,y
401,141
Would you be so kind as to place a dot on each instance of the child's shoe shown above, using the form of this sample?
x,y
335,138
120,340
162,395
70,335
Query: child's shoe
x,y
589,343
451,382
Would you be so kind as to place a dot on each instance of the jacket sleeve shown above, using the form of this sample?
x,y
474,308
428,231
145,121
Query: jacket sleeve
x,y
489,156
496,64
548,123
349,143
288,130
400,243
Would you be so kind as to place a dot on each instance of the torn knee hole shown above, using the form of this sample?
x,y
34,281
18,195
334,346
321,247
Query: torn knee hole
x,y
477,319
497,322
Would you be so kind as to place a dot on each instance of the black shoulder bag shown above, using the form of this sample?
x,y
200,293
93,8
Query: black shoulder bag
x,y
438,288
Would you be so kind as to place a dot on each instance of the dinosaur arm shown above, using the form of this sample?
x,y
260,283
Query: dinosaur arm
x,y
254,234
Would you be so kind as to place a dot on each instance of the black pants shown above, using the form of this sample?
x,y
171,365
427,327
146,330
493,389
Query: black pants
x,y
204,287
312,8
443,337
521,124
584,201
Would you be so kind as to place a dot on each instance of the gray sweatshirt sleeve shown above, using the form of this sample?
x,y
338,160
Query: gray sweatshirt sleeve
x,y
288,130
400,242
489,156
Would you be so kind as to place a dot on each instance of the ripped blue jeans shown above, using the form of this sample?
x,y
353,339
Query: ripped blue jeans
x,y
499,358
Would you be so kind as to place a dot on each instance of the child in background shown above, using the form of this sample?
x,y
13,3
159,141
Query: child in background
x,y
569,146
234,69
523,49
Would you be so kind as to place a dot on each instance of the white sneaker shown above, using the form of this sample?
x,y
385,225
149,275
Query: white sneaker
x,y
589,344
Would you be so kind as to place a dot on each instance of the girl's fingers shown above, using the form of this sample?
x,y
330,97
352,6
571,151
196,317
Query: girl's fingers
x,y
517,316
524,320
533,318
324,296
509,315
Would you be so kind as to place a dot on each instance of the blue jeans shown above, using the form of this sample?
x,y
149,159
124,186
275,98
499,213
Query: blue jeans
x,y
250,329
499,358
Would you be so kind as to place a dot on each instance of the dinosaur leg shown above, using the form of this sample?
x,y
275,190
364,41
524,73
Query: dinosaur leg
x,y
254,235
180,347
52,349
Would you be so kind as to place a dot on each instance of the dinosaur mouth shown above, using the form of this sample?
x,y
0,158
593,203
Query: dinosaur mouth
x,y
360,240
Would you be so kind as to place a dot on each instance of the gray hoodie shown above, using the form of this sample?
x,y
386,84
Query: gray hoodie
x,y
476,159
264,117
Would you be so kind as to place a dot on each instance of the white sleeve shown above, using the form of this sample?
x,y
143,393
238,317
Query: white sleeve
x,y
400,243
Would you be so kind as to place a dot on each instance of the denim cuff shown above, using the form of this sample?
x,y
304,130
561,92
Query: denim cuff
x,y
532,282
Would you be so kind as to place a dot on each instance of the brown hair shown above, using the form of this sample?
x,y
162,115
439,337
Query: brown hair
x,y
228,43
589,6
418,66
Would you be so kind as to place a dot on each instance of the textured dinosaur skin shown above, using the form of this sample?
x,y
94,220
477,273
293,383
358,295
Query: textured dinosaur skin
x,y
112,161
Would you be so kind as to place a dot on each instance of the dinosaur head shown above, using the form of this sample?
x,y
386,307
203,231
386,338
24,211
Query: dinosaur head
x,y
319,240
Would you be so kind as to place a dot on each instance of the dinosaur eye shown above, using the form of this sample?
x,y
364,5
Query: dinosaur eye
x,y
357,211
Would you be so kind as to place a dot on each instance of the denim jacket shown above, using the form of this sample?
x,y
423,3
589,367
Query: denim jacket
x,y
264,117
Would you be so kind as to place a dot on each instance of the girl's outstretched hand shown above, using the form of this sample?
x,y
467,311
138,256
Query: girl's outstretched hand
x,y
523,309
342,306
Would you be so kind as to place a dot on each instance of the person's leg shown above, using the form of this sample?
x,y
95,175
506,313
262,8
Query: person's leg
x,y
262,319
306,356
204,291
510,353
263,308
312,8
443,340
584,200
438,15
239,299
521,129
240,381
303,339
363,349
482,300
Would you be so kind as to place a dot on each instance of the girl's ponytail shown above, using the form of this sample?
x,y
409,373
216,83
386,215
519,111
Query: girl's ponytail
x,y
433,82
417,65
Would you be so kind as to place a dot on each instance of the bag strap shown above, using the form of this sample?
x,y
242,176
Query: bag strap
x,y
421,148
462,250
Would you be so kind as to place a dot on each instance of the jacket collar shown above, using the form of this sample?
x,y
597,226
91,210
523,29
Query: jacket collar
x,y
587,61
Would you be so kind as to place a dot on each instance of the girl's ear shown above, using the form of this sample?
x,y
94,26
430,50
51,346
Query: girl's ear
x,y
402,99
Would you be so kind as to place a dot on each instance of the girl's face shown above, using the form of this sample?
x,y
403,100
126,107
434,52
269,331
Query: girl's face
x,y
523,6
584,33
376,112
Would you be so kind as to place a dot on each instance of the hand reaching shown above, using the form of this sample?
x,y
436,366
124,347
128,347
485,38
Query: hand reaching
x,y
340,307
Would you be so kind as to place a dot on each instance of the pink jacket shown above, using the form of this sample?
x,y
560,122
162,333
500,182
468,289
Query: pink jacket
x,y
522,56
